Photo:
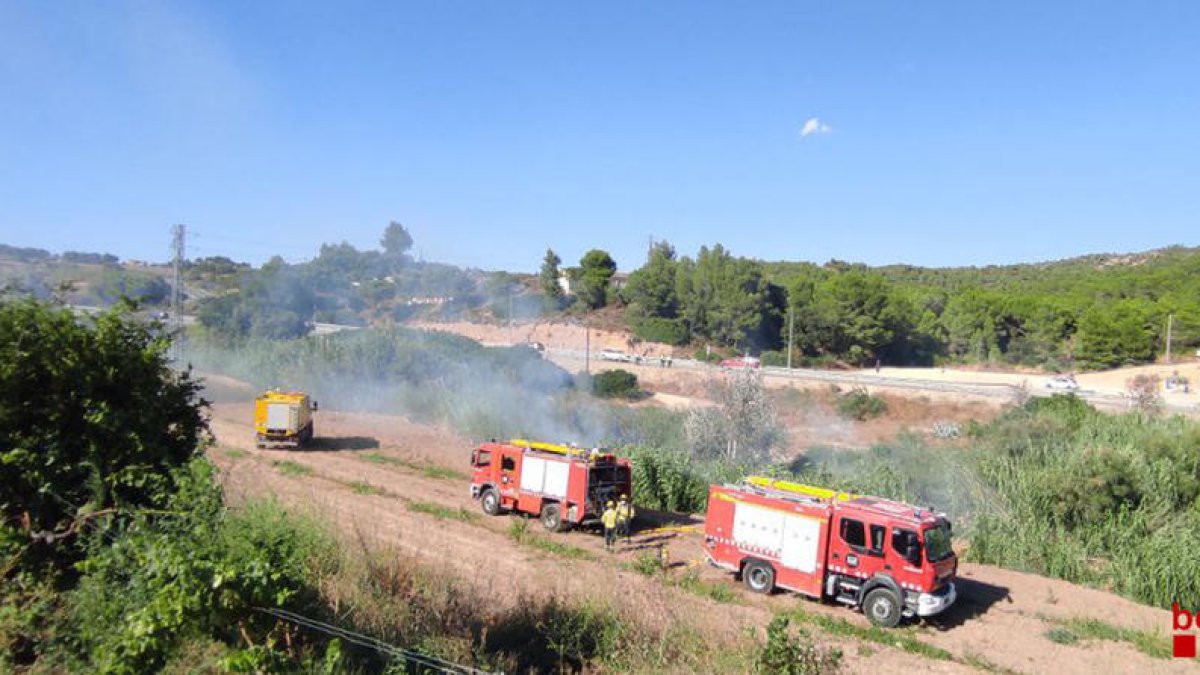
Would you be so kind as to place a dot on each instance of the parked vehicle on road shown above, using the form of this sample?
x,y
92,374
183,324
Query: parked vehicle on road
x,y
741,362
615,355
1062,383
565,486
891,559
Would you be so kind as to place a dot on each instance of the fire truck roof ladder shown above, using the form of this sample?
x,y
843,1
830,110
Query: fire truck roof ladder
x,y
549,447
798,489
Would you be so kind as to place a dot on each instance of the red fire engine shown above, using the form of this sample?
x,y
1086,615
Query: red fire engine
x,y
888,558
563,485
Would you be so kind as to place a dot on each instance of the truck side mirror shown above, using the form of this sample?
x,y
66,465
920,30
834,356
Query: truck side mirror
x,y
314,406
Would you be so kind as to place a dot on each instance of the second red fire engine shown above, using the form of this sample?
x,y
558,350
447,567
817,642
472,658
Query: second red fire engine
x,y
891,559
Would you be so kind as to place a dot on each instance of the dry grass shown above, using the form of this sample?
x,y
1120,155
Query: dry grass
x,y
424,468
407,601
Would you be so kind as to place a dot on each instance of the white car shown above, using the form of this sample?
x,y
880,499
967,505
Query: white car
x,y
614,355
1063,383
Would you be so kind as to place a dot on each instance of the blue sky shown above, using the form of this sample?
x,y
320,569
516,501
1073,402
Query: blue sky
x,y
939,133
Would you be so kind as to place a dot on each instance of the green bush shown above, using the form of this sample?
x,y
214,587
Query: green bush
x,y
588,632
1107,500
191,572
615,384
794,653
647,564
657,329
858,404
92,418
774,358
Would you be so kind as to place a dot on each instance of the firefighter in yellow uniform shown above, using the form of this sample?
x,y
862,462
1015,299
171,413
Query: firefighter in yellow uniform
x,y
625,518
609,518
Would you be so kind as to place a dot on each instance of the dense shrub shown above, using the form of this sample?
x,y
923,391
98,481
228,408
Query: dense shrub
x,y
91,419
194,573
615,384
788,652
658,329
859,404
1108,500
773,358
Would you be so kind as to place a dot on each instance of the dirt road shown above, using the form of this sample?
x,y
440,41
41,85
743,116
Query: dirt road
x,y
402,485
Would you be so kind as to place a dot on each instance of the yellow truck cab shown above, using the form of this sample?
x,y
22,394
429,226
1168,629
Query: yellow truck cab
x,y
283,419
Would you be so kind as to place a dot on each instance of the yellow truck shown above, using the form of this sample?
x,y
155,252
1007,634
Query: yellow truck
x,y
283,419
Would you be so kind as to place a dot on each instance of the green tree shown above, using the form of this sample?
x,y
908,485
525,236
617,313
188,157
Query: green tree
x,y
596,269
552,292
92,418
1117,334
857,309
727,299
810,334
396,241
651,290
970,320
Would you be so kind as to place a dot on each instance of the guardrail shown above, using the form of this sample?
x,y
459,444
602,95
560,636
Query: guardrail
x,y
984,389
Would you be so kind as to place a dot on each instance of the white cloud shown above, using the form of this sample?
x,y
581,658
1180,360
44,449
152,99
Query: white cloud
x,y
814,127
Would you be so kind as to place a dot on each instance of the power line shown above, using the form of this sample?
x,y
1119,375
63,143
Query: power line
x,y
439,665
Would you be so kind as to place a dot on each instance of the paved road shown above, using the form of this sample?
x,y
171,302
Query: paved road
x,y
867,379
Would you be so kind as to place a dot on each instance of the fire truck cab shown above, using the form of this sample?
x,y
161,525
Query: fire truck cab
x,y
891,559
562,485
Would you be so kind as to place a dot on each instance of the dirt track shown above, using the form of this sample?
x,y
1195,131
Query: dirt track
x,y
998,617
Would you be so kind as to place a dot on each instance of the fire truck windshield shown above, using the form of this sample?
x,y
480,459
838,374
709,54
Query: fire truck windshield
x,y
937,542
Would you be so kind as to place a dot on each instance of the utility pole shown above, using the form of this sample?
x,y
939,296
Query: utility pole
x,y
1170,321
791,322
178,246
587,348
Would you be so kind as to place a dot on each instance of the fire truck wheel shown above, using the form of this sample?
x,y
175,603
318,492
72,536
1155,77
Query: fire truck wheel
x,y
882,607
552,518
759,576
490,501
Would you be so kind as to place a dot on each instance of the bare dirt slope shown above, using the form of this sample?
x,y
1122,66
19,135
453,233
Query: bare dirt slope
x,y
555,335
378,476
